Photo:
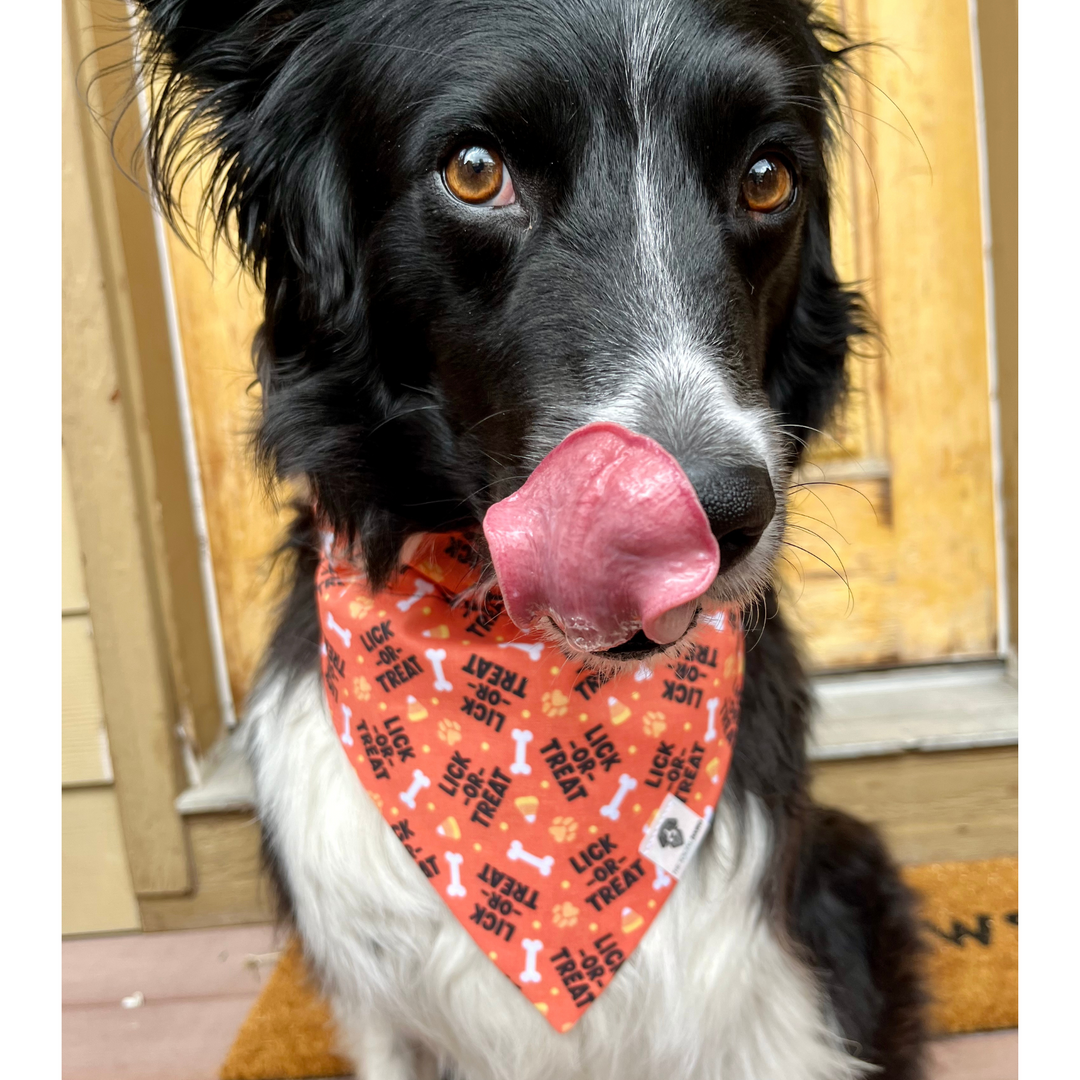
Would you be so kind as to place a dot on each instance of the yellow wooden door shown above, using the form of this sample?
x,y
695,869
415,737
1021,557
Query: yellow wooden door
x,y
900,563
891,555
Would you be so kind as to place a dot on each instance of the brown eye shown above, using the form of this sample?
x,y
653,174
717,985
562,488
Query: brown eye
x,y
474,175
768,185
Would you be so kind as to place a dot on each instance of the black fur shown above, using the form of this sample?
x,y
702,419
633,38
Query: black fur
x,y
834,888
411,347
294,647
856,920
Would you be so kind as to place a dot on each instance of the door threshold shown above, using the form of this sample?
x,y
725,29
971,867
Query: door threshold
x,y
938,707
227,784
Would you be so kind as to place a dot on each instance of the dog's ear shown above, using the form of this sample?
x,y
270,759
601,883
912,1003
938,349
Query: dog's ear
x,y
263,93
183,25
224,78
805,371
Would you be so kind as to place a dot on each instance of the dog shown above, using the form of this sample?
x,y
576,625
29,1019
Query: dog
x,y
480,226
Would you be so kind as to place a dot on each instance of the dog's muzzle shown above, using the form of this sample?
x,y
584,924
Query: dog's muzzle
x,y
607,538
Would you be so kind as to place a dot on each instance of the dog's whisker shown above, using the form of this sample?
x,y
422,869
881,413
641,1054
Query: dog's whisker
x,y
841,572
794,438
911,127
796,488
491,416
824,434
802,577
802,528
495,460
832,569
399,415
820,521
835,483
487,487
429,390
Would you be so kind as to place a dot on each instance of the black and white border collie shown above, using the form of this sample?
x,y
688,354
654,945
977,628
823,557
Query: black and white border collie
x,y
480,225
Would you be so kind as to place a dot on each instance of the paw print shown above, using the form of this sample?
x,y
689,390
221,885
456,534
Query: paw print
x,y
376,798
361,688
564,914
450,732
360,607
431,569
654,724
563,829
554,703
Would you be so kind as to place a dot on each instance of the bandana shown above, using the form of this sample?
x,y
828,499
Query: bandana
x,y
553,809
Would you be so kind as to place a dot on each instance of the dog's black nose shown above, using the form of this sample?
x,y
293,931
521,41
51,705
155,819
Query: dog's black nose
x,y
739,502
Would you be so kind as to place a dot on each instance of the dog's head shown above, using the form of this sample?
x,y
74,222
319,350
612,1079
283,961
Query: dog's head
x,y
483,225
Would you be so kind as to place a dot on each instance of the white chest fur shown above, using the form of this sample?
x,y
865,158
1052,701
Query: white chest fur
x,y
710,993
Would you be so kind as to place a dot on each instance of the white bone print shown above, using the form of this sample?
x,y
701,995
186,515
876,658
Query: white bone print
x,y
419,780
643,673
521,767
712,705
422,588
454,861
531,947
535,649
662,879
626,784
517,852
715,619
437,656
346,723
345,635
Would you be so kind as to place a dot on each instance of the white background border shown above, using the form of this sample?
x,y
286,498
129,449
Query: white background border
x,y
1049,596
30,538
1048,602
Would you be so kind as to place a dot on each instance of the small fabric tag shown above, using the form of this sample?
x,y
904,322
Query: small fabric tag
x,y
673,836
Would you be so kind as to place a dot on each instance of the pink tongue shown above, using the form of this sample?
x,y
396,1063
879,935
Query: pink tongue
x,y
607,537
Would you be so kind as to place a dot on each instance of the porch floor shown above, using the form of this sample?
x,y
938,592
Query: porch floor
x,y
196,987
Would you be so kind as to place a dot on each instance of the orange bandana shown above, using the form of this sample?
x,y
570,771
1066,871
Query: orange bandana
x,y
552,810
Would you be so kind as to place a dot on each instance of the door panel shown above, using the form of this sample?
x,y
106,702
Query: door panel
x,y
894,511
913,530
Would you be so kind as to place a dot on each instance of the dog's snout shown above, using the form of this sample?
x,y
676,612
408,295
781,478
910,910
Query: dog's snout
x,y
739,502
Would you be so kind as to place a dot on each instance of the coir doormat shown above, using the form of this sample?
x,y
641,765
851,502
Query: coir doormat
x,y
969,915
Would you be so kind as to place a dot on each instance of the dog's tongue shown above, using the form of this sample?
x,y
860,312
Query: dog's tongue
x,y
606,537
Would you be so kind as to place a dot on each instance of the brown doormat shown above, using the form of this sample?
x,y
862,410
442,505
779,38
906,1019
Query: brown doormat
x,y
288,1033
969,912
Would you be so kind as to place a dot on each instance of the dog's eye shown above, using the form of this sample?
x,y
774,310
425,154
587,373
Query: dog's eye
x,y
768,185
477,176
